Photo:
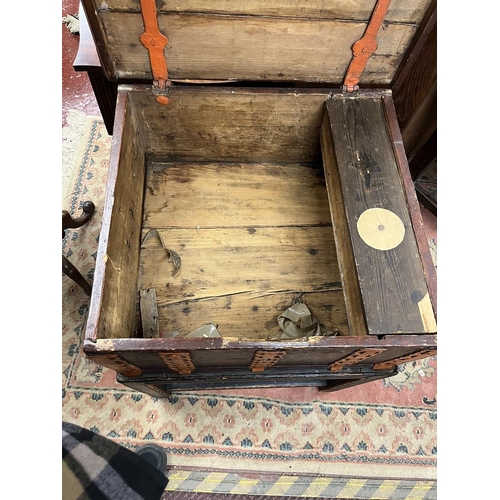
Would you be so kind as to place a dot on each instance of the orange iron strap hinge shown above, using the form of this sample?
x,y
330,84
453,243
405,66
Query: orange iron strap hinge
x,y
155,42
365,47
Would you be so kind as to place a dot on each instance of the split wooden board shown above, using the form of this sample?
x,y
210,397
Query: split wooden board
x,y
252,239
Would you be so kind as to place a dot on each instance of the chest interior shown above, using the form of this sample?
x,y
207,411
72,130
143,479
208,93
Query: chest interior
x,y
251,181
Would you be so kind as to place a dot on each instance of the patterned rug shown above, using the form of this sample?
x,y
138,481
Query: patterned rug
x,y
384,429
426,182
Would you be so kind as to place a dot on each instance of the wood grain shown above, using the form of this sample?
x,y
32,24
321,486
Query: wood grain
x,y
219,47
403,344
149,313
234,194
422,124
391,282
401,11
113,307
98,32
230,124
207,353
252,238
253,315
242,280
415,86
347,266
411,200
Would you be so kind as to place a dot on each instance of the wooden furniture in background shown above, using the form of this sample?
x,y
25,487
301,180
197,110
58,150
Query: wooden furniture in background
x,y
87,60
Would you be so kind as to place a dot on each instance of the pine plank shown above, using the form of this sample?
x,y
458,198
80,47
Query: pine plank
x,y
225,269
113,308
401,11
347,265
252,48
149,313
252,315
252,239
244,195
392,285
206,124
239,260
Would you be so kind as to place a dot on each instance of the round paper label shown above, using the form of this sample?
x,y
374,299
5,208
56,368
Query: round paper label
x,y
380,228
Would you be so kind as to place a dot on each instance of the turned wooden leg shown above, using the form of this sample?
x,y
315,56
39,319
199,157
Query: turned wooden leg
x,y
69,223
72,272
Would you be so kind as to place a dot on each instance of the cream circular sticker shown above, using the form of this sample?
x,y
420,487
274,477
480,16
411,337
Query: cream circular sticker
x,y
380,228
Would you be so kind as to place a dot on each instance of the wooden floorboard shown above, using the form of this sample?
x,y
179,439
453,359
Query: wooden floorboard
x,y
251,240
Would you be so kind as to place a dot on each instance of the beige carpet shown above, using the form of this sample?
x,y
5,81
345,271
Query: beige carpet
x,y
384,429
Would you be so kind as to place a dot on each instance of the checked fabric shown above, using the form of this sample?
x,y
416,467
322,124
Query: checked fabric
x,y
96,468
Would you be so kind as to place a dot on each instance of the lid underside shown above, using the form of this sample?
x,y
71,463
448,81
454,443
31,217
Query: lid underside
x,y
260,40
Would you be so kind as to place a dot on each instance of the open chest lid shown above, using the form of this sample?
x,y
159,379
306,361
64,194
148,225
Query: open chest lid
x,y
260,40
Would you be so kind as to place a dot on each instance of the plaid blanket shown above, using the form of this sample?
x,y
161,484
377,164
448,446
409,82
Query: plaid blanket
x,y
96,468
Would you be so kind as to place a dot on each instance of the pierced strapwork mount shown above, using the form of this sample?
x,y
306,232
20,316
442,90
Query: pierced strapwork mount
x,y
155,42
365,47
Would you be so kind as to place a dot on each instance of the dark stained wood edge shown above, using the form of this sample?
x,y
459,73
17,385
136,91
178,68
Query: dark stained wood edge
x,y
100,268
415,49
148,389
411,199
87,60
424,156
86,57
423,123
168,382
415,86
336,385
422,159
97,30
105,94
152,345
326,90
427,203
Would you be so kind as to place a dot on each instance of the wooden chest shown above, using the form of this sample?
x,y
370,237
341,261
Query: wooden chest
x,y
260,227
